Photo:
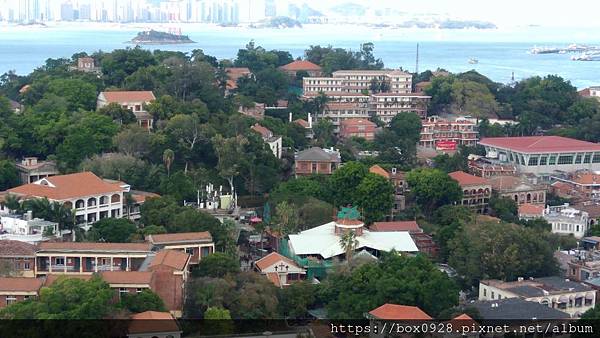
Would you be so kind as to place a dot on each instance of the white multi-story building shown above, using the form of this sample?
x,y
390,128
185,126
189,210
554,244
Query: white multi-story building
x,y
566,220
132,100
561,294
543,154
387,105
91,197
358,81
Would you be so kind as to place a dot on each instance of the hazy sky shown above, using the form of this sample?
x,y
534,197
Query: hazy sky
x,y
502,12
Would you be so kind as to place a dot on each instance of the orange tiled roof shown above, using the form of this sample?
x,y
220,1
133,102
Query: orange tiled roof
x,y
531,209
94,246
302,123
23,284
141,196
399,312
171,258
271,259
152,321
274,278
180,237
70,186
540,144
52,278
128,96
465,179
301,65
396,226
358,122
127,277
587,178
376,169
265,132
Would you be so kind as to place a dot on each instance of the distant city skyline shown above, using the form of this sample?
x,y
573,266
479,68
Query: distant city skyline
x,y
503,13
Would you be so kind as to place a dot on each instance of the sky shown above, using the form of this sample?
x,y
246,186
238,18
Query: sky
x,y
562,13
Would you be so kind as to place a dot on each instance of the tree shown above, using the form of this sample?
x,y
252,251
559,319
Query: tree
x,y
504,208
113,230
393,279
375,197
141,302
133,141
118,113
344,181
323,132
67,298
473,98
432,188
349,243
7,269
286,218
217,265
295,300
168,158
448,220
215,313
9,176
501,251
188,132
230,152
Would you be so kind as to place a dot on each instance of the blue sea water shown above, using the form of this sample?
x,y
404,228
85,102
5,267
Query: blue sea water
x,y
500,52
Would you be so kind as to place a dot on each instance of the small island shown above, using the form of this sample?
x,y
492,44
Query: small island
x,y
153,37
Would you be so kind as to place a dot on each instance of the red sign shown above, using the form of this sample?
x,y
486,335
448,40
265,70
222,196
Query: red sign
x,y
446,145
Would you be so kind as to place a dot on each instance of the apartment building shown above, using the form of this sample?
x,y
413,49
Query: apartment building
x,y
437,132
358,127
477,191
197,244
20,256
387,105
570,297
18,289
566,220
32,169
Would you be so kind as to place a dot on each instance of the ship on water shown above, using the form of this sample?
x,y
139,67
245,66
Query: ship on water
x,y
588,56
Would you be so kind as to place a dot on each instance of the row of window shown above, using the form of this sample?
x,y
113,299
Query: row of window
x,y
565,227
555,159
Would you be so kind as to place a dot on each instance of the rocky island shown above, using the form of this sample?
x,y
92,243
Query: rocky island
x,y
153,37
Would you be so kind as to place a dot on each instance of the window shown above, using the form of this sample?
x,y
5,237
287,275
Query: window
x,y
566,159
138,290
11,300
123,291
578,158
587,158
189,251
26,266
492,294
552,160
485,292
59,261
543,160
596,158
533,160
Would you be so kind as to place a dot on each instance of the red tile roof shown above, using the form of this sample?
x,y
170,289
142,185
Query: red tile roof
x,y
531,209
465,179
141,196
22,284
302,123
52,278
93,246
358,122
301,65
399,312
127,277
9,248
411,226
152,322
171,258
262,130
181,237
70,186
376,169
540,144
128,96
271,259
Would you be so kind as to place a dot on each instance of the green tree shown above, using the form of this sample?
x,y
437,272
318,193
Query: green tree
x,y
394,279
501,251
9,176
504,208
230,152
344,182
112,230
375,197
217,265
118,113
215,313
141,302
349,243
473,98
134,141
286,218
168,158
432,188
295,300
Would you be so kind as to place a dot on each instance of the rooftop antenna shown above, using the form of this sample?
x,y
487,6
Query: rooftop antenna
x,y
417,65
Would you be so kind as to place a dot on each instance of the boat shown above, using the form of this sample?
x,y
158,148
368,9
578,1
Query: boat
x,y
544,50
589,56
473,61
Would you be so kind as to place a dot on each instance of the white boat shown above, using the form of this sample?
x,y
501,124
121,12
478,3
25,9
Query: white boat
x,y
473,61
590,56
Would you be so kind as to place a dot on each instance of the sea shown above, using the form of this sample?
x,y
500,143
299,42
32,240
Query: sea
x,y
503,53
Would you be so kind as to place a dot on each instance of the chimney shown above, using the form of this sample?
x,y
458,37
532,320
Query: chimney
x,y
29,215
290,117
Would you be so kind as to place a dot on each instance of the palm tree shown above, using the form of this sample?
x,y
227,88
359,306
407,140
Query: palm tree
x,y
349,243
62,215
128,201
12,202
168,157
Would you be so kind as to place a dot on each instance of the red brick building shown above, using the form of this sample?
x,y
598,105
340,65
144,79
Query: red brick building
x,y
197,244
317,161
477,191
19,255
170,273
358,128
293,68
18,289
